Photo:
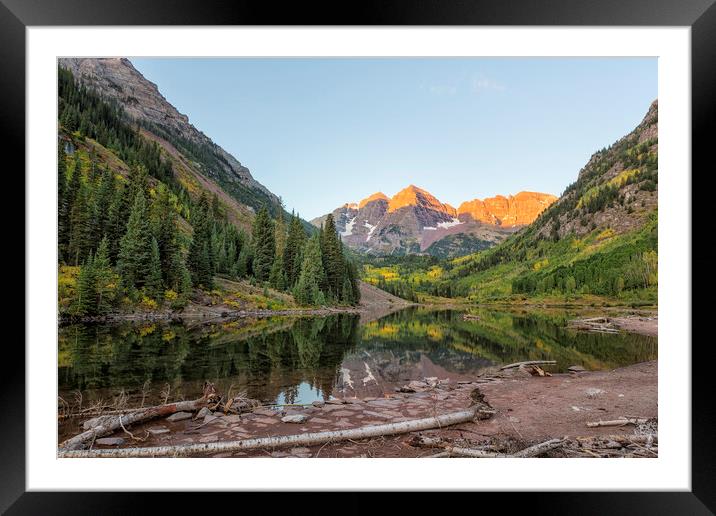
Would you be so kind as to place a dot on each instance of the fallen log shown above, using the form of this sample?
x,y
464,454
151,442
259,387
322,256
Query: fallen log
x,y
106,425
539,449
308,439
471,452
531,451
529,362
618,422
623,439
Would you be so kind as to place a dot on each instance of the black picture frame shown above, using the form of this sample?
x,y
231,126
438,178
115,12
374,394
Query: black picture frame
x,y
699,15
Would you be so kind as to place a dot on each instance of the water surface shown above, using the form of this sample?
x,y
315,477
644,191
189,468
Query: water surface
x,y
298,360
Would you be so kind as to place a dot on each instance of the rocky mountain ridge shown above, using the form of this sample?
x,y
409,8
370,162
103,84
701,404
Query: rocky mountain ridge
x,y
116,79
413,220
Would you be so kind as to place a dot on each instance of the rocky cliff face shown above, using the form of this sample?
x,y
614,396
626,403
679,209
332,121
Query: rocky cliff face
x,y
413,220
517,210
117,80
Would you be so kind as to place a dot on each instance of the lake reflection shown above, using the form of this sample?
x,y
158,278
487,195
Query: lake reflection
x,y
299,360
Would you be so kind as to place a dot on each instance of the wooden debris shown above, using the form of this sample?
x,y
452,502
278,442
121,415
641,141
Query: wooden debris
x,y
618,422
539,449
528,363
594,324
305,439
614,446
531,451
106,425
536,370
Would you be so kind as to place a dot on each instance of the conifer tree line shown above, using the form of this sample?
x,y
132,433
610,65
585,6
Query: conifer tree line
x,y
124,234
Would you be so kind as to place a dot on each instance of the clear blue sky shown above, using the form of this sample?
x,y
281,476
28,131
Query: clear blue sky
x,y
321,132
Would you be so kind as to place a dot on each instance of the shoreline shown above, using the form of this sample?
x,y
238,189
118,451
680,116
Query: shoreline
x,y
644,322
527,410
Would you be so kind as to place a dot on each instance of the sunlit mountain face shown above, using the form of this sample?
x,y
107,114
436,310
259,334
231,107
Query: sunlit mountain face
x,y
415,221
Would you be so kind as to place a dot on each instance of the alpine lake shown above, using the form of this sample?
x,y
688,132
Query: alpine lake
x,y
297,360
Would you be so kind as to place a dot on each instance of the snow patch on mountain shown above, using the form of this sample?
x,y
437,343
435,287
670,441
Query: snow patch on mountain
x,y
453,222
349,228
370,227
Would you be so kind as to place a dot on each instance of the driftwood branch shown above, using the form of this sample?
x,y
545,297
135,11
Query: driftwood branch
x,y
539,449
529,362
307,439
618,422
532,451
106,425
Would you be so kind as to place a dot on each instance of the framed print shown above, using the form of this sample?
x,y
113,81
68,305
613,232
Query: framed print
x,y
262,245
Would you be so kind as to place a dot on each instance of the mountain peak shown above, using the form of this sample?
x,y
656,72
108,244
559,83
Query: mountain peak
x,y
374,197
414,196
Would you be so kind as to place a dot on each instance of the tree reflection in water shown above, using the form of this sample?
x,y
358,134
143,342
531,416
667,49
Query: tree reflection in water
x,y
298,360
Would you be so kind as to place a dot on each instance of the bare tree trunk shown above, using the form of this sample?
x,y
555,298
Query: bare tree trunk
x,y
308,439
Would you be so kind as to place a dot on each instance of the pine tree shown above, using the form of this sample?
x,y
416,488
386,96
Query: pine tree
x,y
332,254
117,216
104,277
277,277
154,274
244,262
101,204
294,243
264,245
352,275
215,245
215,207
80,228
307,290
86,301
204,272
73,188
61,201
135,248
347,292
165,232
199,260
280,233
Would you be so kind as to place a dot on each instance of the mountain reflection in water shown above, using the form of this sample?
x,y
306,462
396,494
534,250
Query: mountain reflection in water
x,y
299,360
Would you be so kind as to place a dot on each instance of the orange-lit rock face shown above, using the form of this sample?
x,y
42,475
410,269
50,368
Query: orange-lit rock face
x,y
517,210
375,197
414,196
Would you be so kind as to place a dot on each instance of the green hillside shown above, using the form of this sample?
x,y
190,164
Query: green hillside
x,y
599,240
140,227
